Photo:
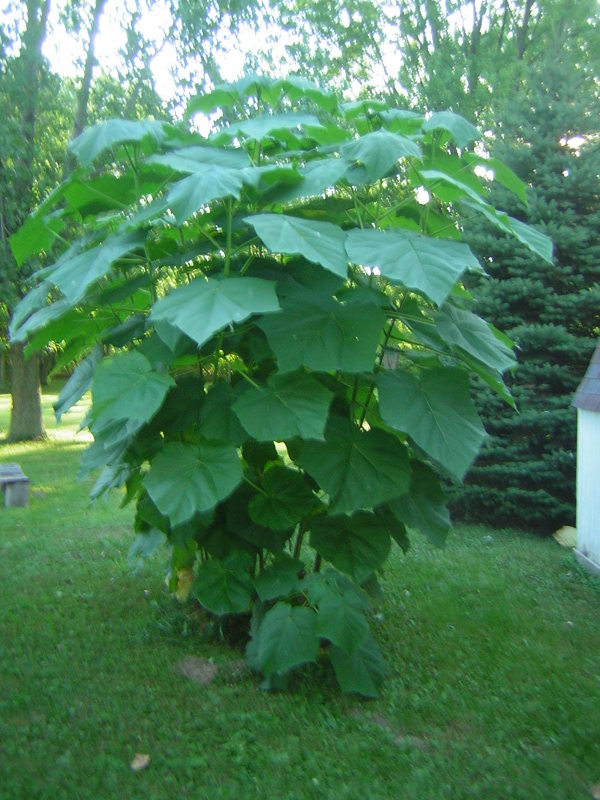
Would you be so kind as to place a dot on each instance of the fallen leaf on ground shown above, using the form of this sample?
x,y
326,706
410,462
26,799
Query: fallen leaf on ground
x,y
199,670
140,761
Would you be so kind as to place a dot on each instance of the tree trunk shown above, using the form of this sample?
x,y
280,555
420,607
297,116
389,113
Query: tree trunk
x,y
86,81
26,415
4,383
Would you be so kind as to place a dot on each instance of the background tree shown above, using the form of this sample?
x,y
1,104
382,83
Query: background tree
x,y
525,474
39,113
22,80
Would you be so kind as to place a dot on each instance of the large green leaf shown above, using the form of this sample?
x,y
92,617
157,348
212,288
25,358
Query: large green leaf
x,y
424,507
40,319
287,638
400,120
341,619
358,469
319,242
37,233
208,182
356,545
431,266
73,275
93,141
450,188
295,87
361,671
474,335
367,105
501,173
206,305
78,384
240,523
188,160
33,301
279,579
461,131
227,94
126,387
143,546
186,479
318,332
288,406
286,500
217,420
535,240
436,412
532,238
379,151
224,587
269,124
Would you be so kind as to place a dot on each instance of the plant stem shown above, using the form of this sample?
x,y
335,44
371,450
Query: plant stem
x,y
228,243
299,538
388,335
318,560
254,486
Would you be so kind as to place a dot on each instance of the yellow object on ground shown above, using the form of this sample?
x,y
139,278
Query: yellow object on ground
x,y
566,536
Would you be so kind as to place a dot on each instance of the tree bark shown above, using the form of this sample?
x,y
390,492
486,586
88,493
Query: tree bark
x,y
86,82
26,416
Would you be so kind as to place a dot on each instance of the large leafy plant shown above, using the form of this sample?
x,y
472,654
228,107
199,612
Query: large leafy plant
x,y
278,346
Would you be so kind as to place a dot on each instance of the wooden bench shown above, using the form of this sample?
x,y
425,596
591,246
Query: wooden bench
x,y
14,484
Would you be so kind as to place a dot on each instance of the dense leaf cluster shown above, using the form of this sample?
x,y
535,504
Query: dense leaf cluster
x,y
278,346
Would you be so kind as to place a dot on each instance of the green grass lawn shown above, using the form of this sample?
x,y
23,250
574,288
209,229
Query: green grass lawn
x,y
492,647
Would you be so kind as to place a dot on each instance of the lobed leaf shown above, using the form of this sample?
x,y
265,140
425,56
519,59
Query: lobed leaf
x,y
208,182
378,152
341,619
187,479
357,545
78,384
288,406
319,242
93,141
206,305
358,469
467,331
436,411
73,275
279,579
286,500
361,671
423,508
430,266
224,587
323,334
459,129
287,638
126,387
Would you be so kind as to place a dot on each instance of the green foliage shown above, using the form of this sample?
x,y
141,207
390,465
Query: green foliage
x,y
525,475
277,375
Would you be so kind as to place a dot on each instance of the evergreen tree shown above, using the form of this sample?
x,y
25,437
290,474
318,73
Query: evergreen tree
x,y
525,475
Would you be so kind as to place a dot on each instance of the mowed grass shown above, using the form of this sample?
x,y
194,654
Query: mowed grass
x,y
492,648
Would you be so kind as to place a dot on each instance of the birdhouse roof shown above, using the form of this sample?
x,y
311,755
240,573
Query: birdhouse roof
x,y
587,395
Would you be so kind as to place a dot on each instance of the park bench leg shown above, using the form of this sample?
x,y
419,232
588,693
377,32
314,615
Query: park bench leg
x,y
16,494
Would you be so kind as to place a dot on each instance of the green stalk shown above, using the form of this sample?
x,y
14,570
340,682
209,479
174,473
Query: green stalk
x,y
388,335
298,546
229,237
